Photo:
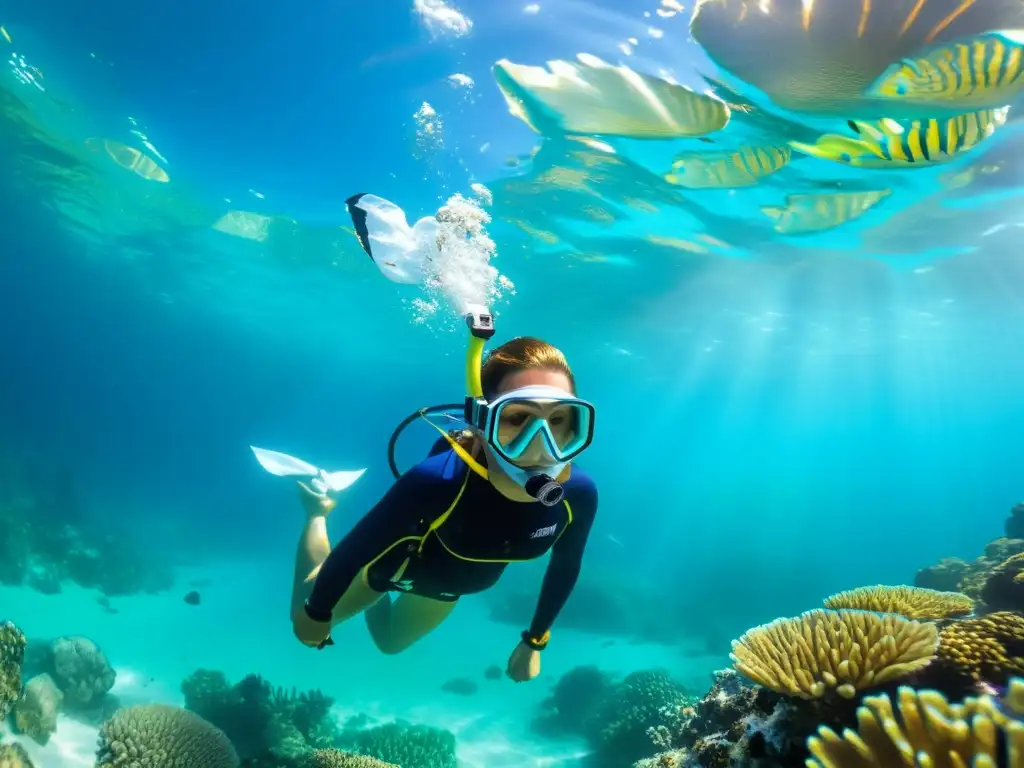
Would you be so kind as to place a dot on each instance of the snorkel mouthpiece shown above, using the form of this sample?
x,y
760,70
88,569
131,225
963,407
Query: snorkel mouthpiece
x,y
544,489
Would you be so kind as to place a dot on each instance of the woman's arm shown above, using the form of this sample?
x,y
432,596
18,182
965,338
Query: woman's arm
x,y
563,569
396,515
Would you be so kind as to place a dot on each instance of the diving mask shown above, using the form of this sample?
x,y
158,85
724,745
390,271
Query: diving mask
x,y
534,432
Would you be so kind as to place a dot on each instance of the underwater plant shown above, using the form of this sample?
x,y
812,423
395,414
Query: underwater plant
x,y
845,650
909,602
162,735
925,729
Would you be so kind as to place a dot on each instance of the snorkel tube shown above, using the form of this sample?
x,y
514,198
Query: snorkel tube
x,y
538,484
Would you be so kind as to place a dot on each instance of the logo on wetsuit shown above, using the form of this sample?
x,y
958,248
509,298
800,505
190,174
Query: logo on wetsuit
x,y
540,533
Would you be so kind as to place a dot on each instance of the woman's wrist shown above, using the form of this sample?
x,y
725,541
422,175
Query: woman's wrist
x,y
321,617
537,643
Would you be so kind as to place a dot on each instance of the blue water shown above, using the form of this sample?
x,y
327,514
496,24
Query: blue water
x,y
777,422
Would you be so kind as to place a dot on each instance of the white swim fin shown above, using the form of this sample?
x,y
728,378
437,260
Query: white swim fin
x,y
400,251
283,465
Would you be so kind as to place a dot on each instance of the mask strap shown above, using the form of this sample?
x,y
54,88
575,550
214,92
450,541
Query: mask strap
x,y
461,452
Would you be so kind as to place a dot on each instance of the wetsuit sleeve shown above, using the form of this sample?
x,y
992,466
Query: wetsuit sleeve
x,y
564,566
396,515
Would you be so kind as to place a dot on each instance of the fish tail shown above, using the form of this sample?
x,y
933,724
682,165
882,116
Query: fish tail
x,y
773,211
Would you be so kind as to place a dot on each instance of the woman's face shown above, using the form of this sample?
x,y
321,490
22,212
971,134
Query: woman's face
x,y
515,415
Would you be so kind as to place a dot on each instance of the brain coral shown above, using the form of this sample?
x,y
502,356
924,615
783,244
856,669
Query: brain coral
x,y
165,736
910,602
926,730
845,650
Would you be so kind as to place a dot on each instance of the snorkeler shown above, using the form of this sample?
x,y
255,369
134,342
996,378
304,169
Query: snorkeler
x,y
502,491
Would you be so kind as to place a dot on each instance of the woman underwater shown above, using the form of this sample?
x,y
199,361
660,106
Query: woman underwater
x,y
504,491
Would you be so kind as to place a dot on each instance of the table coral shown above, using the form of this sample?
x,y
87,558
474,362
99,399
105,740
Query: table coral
x,y
846,651
909,602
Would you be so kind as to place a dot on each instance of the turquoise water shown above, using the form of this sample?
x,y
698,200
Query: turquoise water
x,y
781,416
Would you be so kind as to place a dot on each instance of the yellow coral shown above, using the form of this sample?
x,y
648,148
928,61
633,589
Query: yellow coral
x,y
929,731
983,648
845,650
911,602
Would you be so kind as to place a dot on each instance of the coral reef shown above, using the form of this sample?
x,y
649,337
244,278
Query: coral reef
x,y
645,701
573,701
925,729
402,743
263,723
1004,586
333,758
988,649
14,756
82,672
45,538
36,712
909,602
918,648
12,655
162,735
844,650
1014,525
621,720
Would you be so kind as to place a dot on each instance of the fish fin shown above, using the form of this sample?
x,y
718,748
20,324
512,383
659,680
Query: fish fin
x,y
867,129
1011,36
773,211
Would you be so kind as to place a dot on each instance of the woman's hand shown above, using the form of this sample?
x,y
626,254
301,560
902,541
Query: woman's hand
x,y
523,664
315,634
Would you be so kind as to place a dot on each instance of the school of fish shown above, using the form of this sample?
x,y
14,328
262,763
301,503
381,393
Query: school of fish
x,y
905,84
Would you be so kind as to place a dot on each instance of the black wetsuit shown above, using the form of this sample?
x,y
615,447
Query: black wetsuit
x,y
469,548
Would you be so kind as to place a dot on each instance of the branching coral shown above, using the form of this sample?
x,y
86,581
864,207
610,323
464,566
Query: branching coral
x,y
926,730
158,734
845,650
12,655
909,602
990,648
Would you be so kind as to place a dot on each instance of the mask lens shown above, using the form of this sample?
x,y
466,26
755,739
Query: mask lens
x,y
562,427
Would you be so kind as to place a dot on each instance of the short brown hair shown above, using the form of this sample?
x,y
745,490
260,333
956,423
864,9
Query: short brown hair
x,y
523,353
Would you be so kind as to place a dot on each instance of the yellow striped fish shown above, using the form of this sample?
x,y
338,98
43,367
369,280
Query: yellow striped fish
x,y
889,143
722,170
804,214
981,73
